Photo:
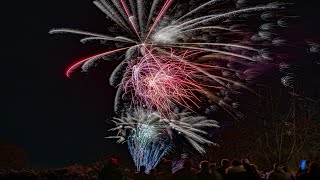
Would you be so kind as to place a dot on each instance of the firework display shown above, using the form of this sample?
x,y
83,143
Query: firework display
x,y
148,134
177,56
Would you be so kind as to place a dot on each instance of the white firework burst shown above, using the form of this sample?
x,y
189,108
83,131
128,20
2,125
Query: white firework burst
x,y
146,126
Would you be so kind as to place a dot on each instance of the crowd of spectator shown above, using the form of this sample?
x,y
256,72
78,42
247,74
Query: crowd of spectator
x,y
205,170
227,170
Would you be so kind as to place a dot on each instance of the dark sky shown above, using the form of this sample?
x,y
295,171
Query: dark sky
x,y
57,120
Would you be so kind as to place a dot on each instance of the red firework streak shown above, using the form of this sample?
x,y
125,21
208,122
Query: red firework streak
x,y
78,63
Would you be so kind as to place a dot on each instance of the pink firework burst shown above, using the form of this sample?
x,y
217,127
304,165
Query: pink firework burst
x,y
159,80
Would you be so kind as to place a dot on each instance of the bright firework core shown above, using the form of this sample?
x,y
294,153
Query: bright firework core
x,y
145,132
165,36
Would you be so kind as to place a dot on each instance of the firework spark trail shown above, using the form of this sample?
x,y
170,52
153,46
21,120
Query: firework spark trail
x,y
109,11
148,156
215,51
93,36
212,2
153,7
115,15
141,12
164,8
212,18
120,9
118,39
75,65
202,28
220,44
130,18
132,4
74,31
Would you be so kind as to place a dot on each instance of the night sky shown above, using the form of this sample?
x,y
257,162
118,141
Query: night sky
x,y
57,120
